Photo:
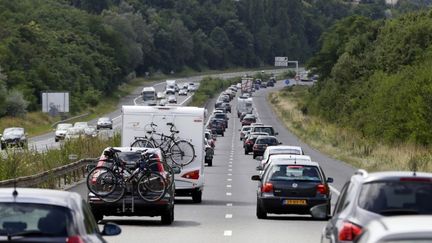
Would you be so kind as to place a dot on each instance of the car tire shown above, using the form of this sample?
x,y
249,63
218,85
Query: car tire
x,y
56,140
97,127
260,212
2,146
246,152
197,196
168,216
210,162
111,128
222,134
254,156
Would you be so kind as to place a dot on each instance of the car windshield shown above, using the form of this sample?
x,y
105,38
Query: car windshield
x,y
268,130
73,131
63,126
410,196
294,172
13,131
148,95
81,124
220,115
269,141
104,119
285,151
34,219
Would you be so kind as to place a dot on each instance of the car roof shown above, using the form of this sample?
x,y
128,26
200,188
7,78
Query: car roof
x,y
388,175
398,225
265,137
292,162
290,157
283,147
40,196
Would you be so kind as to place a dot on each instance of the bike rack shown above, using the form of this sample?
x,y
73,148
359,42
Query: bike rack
x,y
130,198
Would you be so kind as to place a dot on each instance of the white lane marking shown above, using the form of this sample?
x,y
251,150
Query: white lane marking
x,y
229,165
186,100
117,117
229,186
229,194
335,190
230,159
229,204
229,169
228,233
230,162
229,179
229,174
228,216
135,100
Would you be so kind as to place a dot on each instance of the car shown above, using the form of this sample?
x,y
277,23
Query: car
x,y
238,85
74,133
163,207
258,81
289,187
224,98
81,126
371,196
283,157
248,119
60,131
160,95
243,131
104,122
183,92
413,228
220,110
270,83
249,141
280,149
264,128
192,87
172,99
261,143
263,85
13,137
217,126
43,215
91,131
163,102
227,106
170,91
243,114
209,152
222,116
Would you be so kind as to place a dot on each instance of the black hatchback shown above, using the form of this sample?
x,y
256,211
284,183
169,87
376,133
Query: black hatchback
x,y
287,187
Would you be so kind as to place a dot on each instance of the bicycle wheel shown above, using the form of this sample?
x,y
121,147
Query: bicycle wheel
x,y
143,143
103,183
182,152
152,186
165,170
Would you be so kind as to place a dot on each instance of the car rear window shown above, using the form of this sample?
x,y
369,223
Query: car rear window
x,y
397,197
268,130
285,151
269,141
43,219
294,173
220,116
246,129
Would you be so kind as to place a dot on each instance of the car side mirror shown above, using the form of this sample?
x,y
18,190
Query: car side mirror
x,y
259,167
330,180
111,229
256,178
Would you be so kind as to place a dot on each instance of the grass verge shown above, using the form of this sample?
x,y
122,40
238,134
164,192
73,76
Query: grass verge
x,y
343,143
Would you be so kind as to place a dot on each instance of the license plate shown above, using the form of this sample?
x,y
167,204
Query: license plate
x,y
294,202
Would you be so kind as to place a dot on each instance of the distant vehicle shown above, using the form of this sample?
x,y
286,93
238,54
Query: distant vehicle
x,y
284,157
171,84
172,99
248,119
13,137
227,106
262,142
192,87
222,116
61,130
217,127
243,130
148,95
280,149
41,215
163,102
244,105
246,85
249,141
160,95
209,152
263,85
91,131
81,126
371,196
170,91
400,229
163,207
238,85
288,187
75,132
183,92
104,122
264,128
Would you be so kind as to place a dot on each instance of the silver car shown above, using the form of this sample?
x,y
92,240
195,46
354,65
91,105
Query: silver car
x,y
61,130
104,122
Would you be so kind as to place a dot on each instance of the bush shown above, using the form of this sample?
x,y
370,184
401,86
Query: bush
x,y
15,104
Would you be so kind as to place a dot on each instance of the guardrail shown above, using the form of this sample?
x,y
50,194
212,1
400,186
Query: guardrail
x,y
70,118
54,178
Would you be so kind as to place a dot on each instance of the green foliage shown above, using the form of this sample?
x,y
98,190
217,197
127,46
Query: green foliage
x,y
15,104
376,77
210,87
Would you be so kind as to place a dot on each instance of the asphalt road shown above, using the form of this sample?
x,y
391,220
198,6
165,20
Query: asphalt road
x,y
227,213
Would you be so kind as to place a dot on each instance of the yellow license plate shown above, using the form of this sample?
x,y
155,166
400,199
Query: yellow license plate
x,y
294,202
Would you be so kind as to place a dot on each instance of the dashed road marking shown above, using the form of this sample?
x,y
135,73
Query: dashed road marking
x,y
229,186
228,233
229,169
229,174
229,204
229,194
335,190
229,165
229,179
228,216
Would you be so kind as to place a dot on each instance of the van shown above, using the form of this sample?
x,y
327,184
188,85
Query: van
x,y
189,121
149,96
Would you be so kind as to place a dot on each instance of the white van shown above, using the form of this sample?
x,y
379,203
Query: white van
x,y
244,105
149,96
189,121
171,84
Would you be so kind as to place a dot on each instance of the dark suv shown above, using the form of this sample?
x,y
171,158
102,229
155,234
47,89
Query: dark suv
x,y
366,197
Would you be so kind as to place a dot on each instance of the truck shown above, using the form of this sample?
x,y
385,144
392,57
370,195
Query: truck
x,y
244,105
171,84
246,85
148,95
189,121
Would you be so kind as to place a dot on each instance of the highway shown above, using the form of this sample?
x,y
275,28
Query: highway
x,y
227,213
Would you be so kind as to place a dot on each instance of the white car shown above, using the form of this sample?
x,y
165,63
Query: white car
x,y
170,91
160,95
74,132
286,157
91,131
163,102
172,99
280,149
183,92
61,130
104,122
81,126
192,87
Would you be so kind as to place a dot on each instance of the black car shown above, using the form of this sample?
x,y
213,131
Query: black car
x,y
41,215
292,188
261,143
249,141
13,137
227,106
270,83
134,204
217,126
222,116
263,85
369,196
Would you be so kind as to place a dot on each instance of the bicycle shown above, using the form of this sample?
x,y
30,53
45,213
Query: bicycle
x,y
180,151
110,184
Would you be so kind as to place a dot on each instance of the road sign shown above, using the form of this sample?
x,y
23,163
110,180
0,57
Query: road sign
x,y
281,61
287,82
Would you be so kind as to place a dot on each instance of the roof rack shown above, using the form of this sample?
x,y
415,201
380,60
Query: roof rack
x,y
361,172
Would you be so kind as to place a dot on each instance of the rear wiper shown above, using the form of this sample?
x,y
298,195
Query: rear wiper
x,y
398,211
29,233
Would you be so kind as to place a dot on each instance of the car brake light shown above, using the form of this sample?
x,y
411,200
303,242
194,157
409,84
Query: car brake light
x,y
192,175
267,187
416,179
322,189
74,239
349,231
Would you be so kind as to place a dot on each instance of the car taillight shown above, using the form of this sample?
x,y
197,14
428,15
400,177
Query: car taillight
x,y
74,239
249,142
192,175
322,189
415,179
349,231
267,187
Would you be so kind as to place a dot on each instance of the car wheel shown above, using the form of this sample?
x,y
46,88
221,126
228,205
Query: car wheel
x,y
56,140
111,127
254,156
246,152
97,127
210,162
168,216
222,134
3,146
197,196
260,212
